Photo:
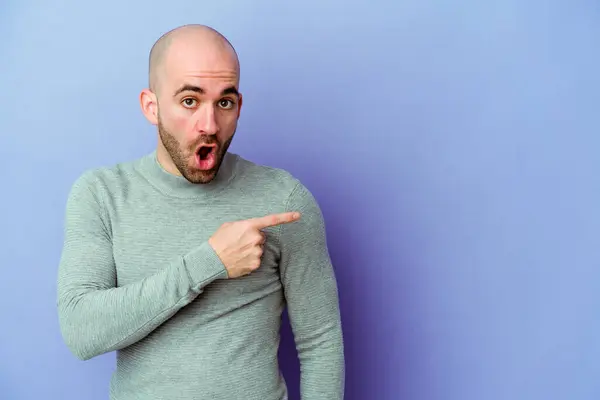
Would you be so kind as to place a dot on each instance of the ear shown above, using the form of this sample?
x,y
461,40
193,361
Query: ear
x,y
149,105
240,101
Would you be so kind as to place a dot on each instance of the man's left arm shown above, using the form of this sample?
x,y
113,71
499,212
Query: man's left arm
x,y
312,299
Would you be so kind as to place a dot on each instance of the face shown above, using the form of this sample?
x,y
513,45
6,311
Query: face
x,y
196,108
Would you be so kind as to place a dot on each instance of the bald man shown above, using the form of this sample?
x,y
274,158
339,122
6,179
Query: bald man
x,y
183,260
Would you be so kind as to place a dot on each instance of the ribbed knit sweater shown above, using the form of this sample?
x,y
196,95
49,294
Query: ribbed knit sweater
x,y
137,276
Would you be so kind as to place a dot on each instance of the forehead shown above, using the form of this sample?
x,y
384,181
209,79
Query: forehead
x,y
210,66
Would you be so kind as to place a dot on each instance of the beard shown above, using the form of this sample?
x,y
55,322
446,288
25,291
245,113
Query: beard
x,y
184,158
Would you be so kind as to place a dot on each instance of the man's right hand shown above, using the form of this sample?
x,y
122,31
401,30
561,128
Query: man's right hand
x,y
239,244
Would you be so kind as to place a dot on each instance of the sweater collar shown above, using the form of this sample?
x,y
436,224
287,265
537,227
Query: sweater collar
x,y
177,186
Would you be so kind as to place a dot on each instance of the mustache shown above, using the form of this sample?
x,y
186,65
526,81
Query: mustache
x,y
207,140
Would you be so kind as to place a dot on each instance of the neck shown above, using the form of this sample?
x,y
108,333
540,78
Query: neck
x,y
165,161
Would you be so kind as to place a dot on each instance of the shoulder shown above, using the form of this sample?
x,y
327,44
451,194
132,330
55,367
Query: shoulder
x,y
273,180
279,183
264,175
97,182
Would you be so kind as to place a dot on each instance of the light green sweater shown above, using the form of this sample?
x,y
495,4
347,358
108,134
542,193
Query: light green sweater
x,y
137,276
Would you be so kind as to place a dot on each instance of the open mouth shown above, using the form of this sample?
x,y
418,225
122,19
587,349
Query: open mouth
x,y
205,151
206,157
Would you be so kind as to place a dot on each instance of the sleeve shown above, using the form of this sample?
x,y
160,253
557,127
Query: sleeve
x,y
312,300
95,315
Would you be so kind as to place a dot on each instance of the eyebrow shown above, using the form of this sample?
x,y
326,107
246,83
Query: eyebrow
x,y
199,90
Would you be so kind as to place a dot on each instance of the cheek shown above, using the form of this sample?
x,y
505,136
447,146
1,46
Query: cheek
x,y
227,124
178,123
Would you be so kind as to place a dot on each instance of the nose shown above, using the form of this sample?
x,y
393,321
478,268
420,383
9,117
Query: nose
x,y
206,120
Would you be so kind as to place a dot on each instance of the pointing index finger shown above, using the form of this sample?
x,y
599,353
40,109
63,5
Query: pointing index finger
x,y
274,219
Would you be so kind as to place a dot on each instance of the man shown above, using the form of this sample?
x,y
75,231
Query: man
x,y
182,260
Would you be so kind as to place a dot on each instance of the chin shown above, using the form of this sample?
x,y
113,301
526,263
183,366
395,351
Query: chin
x,y
200,177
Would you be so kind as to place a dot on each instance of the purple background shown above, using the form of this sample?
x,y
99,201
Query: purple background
x,y
455,157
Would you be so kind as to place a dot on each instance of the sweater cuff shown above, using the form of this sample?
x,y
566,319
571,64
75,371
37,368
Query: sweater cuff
x,y
204,266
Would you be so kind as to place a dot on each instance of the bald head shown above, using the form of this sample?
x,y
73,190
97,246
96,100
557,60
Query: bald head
x,y
200,38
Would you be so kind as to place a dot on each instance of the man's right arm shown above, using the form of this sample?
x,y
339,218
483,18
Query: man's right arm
x,y
95,315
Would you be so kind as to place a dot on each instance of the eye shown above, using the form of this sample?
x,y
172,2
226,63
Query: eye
x,y
226,104
189,102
